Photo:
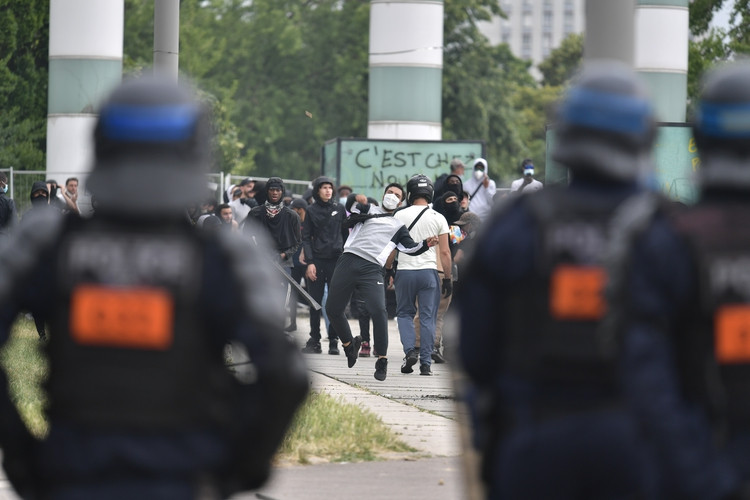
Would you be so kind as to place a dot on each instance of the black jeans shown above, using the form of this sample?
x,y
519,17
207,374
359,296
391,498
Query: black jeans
x,y
352,274
324,269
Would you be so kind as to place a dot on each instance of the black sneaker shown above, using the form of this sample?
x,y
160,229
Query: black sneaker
x,y
424,369
352,350
312,347
437,357
410,360
333,347
381,368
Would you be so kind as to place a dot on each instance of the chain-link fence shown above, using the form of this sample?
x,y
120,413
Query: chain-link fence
x,y
20,182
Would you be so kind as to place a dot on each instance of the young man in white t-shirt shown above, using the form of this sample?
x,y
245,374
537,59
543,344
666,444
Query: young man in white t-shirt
x,y
417,279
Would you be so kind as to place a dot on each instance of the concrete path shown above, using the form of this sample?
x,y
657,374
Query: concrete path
x,y
420,410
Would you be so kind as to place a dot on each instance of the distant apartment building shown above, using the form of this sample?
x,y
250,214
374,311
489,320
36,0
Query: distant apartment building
x,y
535,27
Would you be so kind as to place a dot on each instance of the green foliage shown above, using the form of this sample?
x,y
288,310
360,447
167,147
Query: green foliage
x,y
562,62
739,31
478,83
704,53
24,42
702,13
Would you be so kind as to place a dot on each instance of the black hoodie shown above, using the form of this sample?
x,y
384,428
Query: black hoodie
x,y
323,233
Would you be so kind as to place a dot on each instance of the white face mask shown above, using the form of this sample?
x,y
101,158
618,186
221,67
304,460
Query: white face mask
x,y
528,171
479,174
342,200
390,201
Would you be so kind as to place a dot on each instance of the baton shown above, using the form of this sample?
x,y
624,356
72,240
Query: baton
x,y
308,298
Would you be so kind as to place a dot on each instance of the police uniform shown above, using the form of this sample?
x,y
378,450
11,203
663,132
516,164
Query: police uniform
x,y
549,416
684,294
141,308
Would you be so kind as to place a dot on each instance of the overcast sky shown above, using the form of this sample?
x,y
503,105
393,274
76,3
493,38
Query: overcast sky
x,y
721,18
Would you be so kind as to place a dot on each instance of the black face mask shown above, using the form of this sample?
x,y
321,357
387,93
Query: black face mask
x,y
39,201
454,188
452,211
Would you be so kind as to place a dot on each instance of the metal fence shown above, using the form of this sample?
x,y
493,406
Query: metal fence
x,y
20,182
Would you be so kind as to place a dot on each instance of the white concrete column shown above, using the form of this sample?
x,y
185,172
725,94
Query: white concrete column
x,y
85,64
406,69
661,54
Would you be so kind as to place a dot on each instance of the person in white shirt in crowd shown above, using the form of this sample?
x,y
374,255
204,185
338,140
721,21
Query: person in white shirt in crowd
x,y
417,282
527,183
481,189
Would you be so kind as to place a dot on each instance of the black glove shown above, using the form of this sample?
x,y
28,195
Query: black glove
x,y
447,287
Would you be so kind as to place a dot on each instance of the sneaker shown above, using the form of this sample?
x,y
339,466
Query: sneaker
x,y
365,351
381,368
424,369
437,357
352,350
410,360
312,347
333,347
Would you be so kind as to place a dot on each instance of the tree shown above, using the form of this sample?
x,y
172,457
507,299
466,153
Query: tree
x,y
478,82
24,46
562,62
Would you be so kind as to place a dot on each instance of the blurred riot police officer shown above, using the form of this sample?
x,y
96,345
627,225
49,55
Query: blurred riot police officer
x,y
684,295
141,306
549,417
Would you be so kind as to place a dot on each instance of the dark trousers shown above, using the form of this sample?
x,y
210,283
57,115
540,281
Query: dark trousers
x,y
359,310
352,274
316,289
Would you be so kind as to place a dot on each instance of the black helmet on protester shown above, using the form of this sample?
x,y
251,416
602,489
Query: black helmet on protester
x,y
151,149
605,123
419,186
722,127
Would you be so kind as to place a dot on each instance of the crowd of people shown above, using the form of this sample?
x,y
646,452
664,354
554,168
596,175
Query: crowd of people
x,y
350,252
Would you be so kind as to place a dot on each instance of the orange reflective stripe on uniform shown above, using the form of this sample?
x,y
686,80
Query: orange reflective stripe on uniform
x,y
138,318
576,293
732,334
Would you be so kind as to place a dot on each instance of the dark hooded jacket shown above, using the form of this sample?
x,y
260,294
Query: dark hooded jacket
x,y
36,186
445,187
451,211
323,233
283,228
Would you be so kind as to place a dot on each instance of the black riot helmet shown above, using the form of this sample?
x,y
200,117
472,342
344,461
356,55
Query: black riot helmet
x,y
605,123
722,127
419,186
151,149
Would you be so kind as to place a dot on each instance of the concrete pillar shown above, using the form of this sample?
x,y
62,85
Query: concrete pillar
x,y
661,54
166,38
609,30
85,64
406,69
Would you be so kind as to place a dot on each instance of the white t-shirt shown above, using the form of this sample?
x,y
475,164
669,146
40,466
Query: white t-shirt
x,y
534,185
430,224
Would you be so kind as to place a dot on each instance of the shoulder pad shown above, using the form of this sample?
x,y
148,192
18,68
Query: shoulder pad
x,y
39,231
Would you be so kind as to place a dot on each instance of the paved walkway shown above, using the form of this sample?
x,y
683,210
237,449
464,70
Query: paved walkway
x,y
420,410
